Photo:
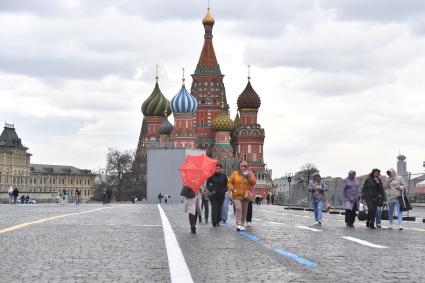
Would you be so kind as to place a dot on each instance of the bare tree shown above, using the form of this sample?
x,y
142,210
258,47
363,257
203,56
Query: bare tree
x,y
304,176
119,166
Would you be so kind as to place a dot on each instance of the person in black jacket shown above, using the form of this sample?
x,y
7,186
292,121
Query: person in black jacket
x,y
371,192
217,187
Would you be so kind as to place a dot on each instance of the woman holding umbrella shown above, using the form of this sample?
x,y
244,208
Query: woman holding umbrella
x,y
193,207
240,183
194,171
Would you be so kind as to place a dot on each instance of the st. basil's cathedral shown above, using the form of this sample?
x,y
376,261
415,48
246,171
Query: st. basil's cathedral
x,y
201,118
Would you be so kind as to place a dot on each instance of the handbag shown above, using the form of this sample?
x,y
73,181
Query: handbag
x,y
362,216
327,206
187,192
404,202
385,214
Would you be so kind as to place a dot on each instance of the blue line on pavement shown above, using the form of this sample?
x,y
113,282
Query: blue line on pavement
x,y
296,258
249,236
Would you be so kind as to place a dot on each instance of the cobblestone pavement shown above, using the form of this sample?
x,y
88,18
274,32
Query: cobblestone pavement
x,y
125,243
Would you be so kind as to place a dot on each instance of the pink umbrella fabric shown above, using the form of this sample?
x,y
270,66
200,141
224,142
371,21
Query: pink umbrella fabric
x,y
196,169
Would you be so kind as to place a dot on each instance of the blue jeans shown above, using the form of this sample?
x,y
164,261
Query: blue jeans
x,y
378,215
391,212
225,208
318,210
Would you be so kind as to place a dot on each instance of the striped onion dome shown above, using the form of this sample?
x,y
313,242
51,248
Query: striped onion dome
x,y
222,122
183,102
156,104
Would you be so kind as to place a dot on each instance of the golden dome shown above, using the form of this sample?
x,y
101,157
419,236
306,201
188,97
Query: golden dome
x,y
222,122
208,20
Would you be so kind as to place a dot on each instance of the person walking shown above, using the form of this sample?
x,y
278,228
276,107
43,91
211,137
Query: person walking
x,y
192,206
397,185
65,196
77,196
205,202
225,208
10,193
217,186
371,190
350,195
317,187
159,197
382,199
15,194
240,183
104,198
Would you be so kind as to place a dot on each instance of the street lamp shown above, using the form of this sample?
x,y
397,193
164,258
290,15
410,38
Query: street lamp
x,y
289,178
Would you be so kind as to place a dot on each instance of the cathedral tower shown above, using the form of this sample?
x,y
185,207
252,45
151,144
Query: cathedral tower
x,y
207,88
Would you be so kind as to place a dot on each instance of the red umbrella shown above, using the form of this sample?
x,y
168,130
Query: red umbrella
x,y
196,169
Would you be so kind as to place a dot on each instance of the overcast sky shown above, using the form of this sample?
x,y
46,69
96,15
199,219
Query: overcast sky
x,y
341,82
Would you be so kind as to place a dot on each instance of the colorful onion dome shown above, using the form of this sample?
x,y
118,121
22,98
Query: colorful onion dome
x,y
222,121
249,99
156,104
183,102
166,127
208,20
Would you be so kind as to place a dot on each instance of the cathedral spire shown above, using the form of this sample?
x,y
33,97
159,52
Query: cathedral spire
x,y
207,63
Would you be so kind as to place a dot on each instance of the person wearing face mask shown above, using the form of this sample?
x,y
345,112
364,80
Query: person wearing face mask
x,y
371,191
240,183
350,195
217,187
396,184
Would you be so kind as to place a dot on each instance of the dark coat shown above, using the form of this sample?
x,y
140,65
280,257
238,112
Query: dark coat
x,y
373,192
217,183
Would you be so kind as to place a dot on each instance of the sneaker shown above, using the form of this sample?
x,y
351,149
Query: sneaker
x,y
391,226
242,228
248,224
238,228
320,222
316,223
378,226
400,227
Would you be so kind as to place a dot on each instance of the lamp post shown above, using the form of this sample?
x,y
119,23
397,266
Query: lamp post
x,y
289,179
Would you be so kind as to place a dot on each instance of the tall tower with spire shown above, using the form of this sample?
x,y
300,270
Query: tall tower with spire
x,y
207,88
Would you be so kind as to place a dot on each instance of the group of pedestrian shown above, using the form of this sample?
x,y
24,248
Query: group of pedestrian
x,y
374,196
219,191
13,193
63,195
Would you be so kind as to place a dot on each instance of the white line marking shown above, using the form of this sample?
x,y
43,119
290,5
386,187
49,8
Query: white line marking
x,y
179,272
22,225
365,243
308,228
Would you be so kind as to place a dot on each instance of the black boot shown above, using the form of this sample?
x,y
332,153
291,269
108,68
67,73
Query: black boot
x,y
192,221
